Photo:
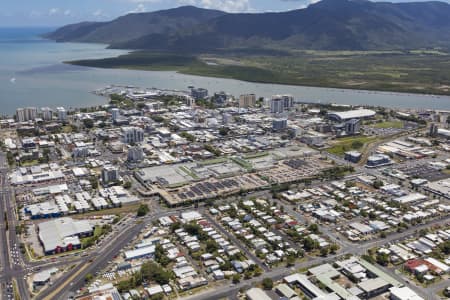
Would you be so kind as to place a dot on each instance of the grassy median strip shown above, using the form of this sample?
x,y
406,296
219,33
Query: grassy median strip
x,y
63,285
16,290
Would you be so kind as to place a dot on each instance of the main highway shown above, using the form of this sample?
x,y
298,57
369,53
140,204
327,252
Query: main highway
x,y
10,258
99,259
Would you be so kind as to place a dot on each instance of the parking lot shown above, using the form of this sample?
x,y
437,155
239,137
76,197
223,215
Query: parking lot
x,y
424,171
214,188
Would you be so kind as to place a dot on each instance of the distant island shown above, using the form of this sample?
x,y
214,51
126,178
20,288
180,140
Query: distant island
x,y
354,44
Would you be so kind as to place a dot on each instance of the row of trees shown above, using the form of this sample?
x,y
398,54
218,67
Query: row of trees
x,y
150,272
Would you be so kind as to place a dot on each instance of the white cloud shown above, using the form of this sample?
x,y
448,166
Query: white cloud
x,y
225,5
100,14
139,9
35,13
187,2
308,2
53,11
145,1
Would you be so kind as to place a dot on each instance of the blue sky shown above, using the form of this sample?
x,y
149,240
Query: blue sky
x,y
60,12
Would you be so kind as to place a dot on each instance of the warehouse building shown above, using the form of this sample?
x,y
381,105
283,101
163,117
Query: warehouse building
x,y
146,252
61,235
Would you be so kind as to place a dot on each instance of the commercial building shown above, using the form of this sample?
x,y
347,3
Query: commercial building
x,y
43,277
110,174
277,105
80,152
284,291
352,156
115,114
220,99
445,133
410,198
46,210
62,114
145,252
61,235
199,93
132,135
46,113
440,188
308,288
288,101
353,127
26,114
135,154
107,291
279,124
350,127
433,130
247,100
378,160
38,176
351,114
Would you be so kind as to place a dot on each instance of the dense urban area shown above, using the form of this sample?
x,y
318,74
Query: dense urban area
x,y
163,194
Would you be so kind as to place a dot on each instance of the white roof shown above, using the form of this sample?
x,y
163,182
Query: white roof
x,y
132,254
257,294
60,232
191,216
414,197
373,284
354,114
153,290
304,281
44,275
363,228
404,293
436,263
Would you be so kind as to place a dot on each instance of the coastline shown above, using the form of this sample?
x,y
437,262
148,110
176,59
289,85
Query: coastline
x,y
334,87
253,73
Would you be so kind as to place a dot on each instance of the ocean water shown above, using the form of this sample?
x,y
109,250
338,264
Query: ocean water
x,y
32,73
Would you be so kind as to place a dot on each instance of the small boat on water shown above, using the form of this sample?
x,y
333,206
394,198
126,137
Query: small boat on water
x,y
13,80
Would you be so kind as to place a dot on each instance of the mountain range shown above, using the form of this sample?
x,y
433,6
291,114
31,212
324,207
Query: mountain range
x,y
325,25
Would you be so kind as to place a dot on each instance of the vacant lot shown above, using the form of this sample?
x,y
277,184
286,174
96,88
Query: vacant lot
x,y
389,124
350,143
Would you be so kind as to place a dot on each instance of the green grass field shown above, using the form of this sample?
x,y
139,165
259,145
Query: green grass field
x,y
418,71
389,124
349,143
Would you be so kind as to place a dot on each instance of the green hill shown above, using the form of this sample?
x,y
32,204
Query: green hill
x,y
326,25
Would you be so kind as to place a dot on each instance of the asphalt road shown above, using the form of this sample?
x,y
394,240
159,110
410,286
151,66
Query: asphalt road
x,y
236,242
99,258
11,260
